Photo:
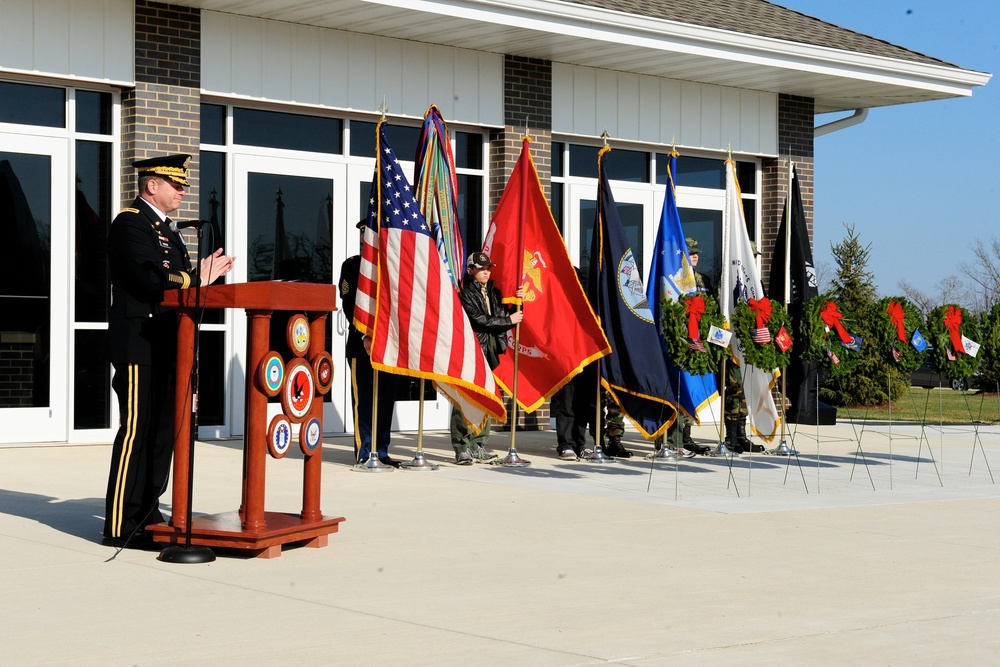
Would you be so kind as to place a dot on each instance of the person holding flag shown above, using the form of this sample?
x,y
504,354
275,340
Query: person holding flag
x,y
490,320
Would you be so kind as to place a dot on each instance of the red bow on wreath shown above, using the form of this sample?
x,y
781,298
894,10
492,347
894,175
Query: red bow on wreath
x,y
953,323
762,309
832,317
694,310
896,314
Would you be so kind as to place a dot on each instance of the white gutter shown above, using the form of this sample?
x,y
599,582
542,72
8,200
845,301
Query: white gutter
x,y
859,116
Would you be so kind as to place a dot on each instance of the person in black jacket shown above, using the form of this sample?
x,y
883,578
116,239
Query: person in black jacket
x,y
490,320
146,256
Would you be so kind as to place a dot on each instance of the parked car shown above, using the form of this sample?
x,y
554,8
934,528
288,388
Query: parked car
x,y
927,377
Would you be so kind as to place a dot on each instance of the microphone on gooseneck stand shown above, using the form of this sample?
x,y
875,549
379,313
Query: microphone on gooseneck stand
x,y
176,226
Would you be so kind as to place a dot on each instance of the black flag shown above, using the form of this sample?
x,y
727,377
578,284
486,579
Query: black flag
x,y
801,374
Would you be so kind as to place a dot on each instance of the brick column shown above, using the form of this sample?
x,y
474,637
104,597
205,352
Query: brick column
x,y
796,118
527,108
161,115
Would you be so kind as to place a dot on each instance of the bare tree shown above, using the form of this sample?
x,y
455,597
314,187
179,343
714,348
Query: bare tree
x,y
984,274
950,289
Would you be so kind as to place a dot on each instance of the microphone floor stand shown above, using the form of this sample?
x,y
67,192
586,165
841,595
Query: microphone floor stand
x,y
186,553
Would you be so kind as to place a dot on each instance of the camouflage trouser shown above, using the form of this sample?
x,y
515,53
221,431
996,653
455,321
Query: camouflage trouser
x,y
614,420
736,405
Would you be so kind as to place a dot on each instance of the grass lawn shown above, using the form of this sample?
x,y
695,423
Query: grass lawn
x,y
933,406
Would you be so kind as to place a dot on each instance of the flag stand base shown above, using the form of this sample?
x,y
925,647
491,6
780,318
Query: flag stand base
x,y
663,454
722,450
598,456
372,465
784,450
419,463
513,460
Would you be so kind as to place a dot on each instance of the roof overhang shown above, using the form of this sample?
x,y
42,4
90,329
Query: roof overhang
x,y
837,80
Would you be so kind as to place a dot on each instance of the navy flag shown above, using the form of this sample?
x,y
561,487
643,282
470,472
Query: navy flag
x,y
635,373
793,280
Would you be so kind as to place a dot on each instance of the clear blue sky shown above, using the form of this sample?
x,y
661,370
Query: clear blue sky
x,y
919,181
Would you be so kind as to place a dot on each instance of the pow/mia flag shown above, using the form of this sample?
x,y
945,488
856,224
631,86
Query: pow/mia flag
x,y
802,286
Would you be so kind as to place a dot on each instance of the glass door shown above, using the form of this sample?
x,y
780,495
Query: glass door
x,y
34,215
634,207
285,214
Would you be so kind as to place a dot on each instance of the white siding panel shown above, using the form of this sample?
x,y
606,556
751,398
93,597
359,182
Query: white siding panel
x,y
670,110
441,80
218,51
307,47
711,117
276,61
691,120
649,109
490,89
248,53
628,105
415,69
607,99
467,71
584,112
729,121
361,65
334,74
388,79
81,39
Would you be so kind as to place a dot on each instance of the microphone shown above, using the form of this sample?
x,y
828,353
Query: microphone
x,y
176,226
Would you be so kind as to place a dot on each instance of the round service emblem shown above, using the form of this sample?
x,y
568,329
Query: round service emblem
x,y
323,372
630,288
271,373
279,436
297,394
298,335
310,435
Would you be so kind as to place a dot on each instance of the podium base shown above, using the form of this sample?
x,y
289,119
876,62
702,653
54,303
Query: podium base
x,y
225,531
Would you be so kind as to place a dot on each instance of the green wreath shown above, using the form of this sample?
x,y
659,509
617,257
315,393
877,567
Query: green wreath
x,y
762,355
886,333
822,341
989,332
674,329
939,336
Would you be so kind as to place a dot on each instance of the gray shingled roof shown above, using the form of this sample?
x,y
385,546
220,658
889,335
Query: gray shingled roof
x,y
764,19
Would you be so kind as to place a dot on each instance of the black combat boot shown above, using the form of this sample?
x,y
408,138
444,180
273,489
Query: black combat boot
x,y
745,442
732,442
614,448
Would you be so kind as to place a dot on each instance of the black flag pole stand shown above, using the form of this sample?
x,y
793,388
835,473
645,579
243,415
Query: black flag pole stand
x,y
186,553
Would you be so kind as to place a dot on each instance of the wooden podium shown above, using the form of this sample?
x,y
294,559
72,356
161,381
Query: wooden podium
x,y
249,528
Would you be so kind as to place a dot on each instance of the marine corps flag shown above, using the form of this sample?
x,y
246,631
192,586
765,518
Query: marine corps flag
x,y
740,282
635,373
793,279
560,333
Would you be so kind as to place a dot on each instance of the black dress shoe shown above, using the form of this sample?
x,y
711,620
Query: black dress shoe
x,y
389,461
141,541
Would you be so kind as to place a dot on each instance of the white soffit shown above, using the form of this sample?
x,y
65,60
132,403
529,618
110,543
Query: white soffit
x,y
574,34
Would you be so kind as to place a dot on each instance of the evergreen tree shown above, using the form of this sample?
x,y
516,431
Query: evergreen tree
x,y
872,381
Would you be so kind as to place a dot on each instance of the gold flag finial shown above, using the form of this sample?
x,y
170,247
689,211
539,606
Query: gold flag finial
x,y
384,109
605,136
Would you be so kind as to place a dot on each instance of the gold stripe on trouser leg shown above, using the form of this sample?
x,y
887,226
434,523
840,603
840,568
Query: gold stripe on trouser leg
x,y
128,444
354,390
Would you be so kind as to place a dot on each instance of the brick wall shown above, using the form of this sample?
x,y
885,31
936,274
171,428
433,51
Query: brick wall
x,y
527,108
161,115
795,139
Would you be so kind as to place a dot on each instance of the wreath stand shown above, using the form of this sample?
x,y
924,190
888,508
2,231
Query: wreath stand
x,y
783,449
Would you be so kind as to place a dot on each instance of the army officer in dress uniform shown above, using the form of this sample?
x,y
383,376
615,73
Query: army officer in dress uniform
x,y
146,257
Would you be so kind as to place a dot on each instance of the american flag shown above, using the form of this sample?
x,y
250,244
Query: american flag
x,y
895,354
407,303
761,335
696,345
